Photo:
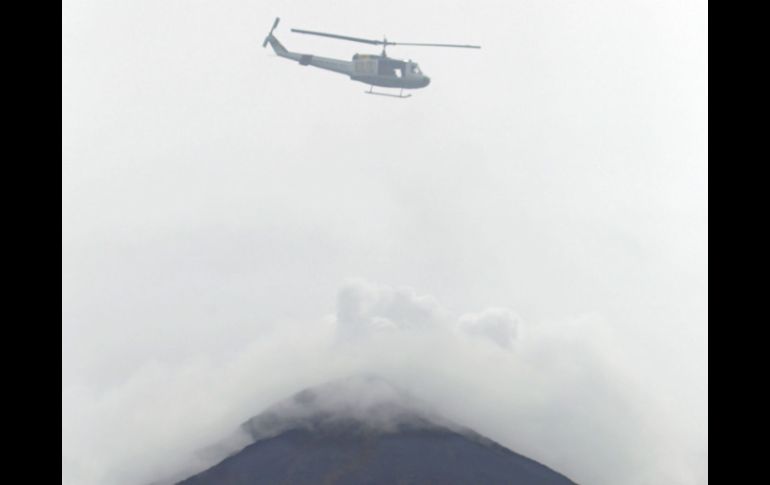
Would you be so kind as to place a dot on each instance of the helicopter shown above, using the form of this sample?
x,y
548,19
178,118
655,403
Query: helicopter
x,y
374,70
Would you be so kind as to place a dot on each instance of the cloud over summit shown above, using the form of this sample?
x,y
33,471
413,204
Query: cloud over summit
x,y
365,309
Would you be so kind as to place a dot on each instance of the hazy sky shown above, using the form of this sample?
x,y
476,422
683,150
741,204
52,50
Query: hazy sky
x,y
225,209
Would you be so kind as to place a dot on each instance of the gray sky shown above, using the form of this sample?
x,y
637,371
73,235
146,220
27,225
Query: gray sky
x,y
217,201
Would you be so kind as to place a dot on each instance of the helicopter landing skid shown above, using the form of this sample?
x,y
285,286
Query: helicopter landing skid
x,y
399,95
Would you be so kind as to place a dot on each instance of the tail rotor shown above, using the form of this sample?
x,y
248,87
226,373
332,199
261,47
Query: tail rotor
x,y
275,24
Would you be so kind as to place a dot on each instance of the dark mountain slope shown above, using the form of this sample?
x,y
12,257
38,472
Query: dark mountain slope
x,y
305,441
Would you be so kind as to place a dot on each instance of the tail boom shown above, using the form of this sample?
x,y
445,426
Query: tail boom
x,y
335,65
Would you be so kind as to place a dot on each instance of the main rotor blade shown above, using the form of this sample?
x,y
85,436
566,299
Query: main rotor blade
x,y
343,37
381,42
436,45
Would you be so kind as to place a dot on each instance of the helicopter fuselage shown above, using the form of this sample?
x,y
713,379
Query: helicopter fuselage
x,y
371,69
378,70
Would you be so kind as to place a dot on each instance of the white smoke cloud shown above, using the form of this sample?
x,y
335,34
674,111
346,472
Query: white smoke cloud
x,y
563,393
363,308
498,324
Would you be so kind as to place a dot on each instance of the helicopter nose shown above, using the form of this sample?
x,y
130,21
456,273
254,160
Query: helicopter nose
x,y
426,81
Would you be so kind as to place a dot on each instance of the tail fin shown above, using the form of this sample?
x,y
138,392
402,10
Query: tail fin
x,y
277,46
267,39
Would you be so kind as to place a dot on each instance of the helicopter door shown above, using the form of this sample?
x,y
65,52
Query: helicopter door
x,y
389,67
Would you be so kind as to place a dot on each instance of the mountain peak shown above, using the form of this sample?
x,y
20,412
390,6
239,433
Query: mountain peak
x,y
365,430
366,403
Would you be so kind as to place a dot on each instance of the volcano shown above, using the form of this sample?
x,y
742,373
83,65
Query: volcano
x,y
365,431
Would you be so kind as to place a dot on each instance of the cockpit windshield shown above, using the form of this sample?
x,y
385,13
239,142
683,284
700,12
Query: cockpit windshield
x,y
416,69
